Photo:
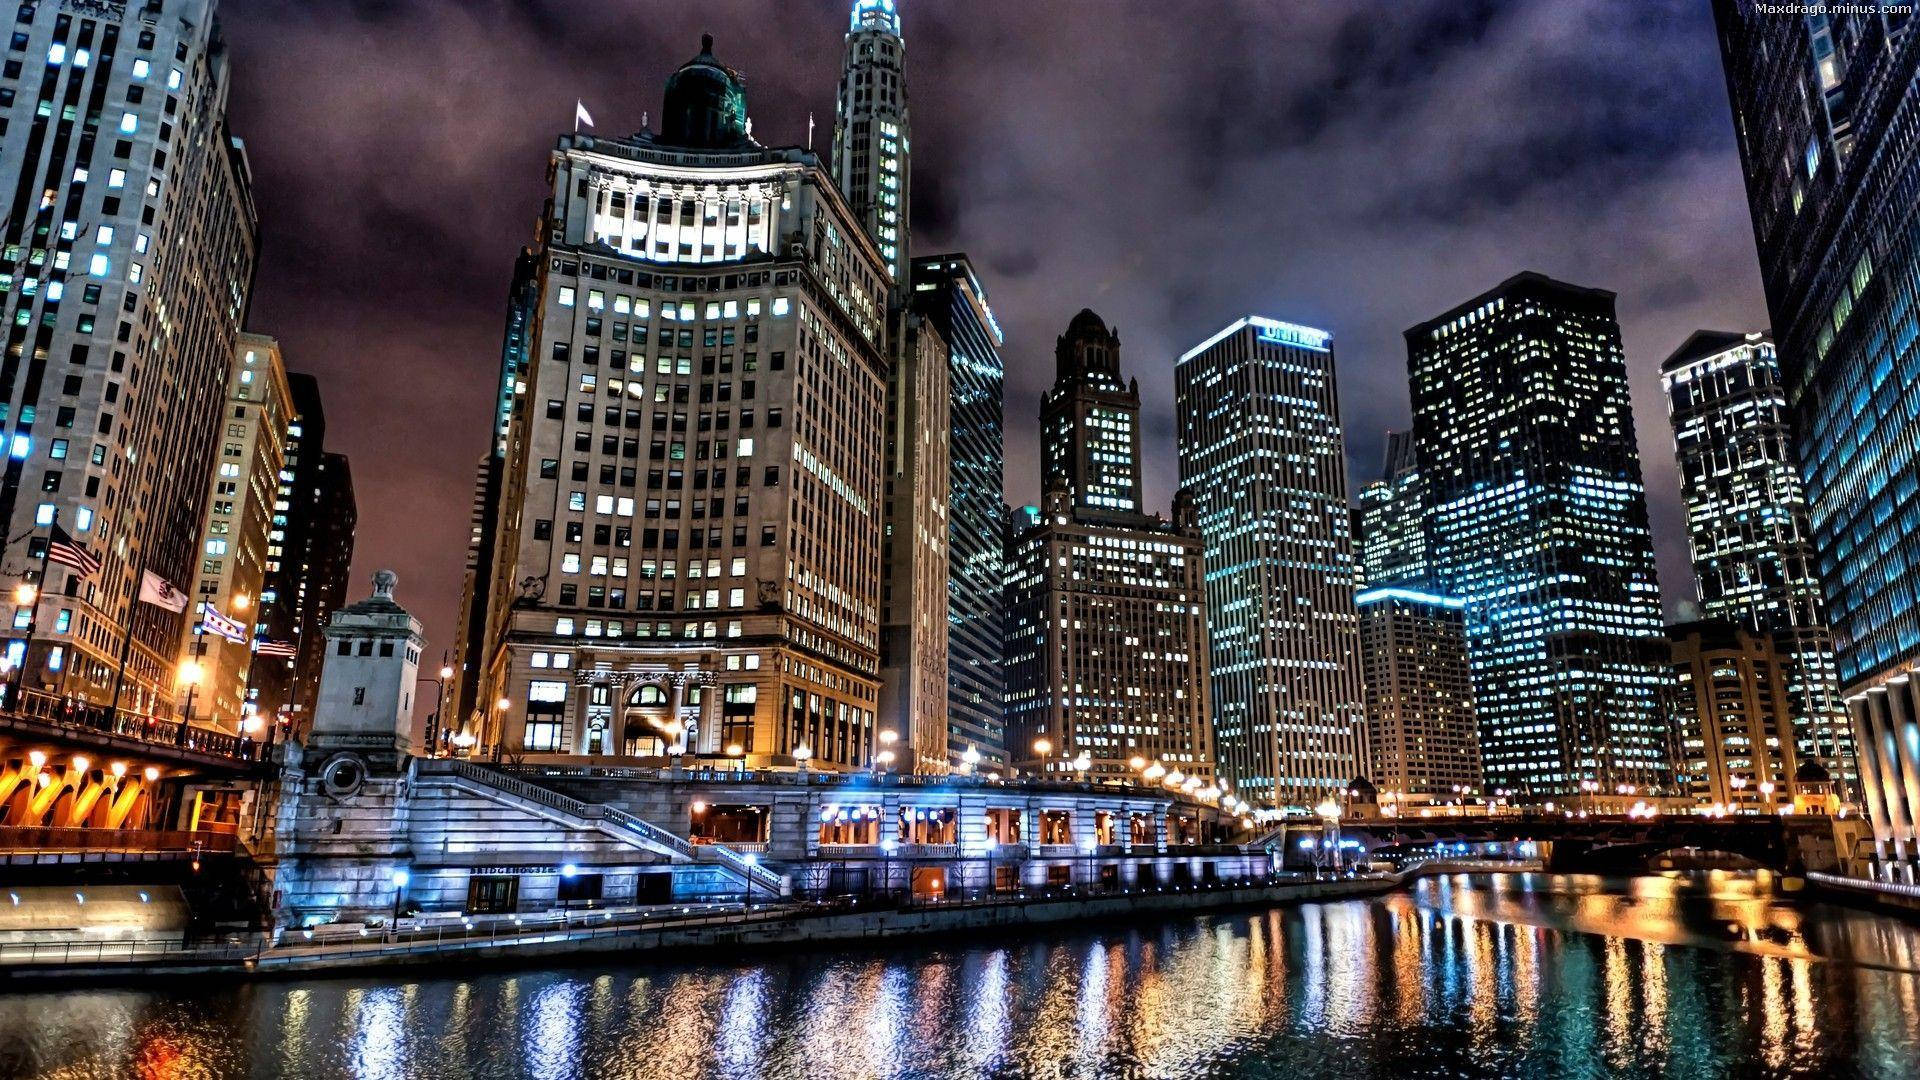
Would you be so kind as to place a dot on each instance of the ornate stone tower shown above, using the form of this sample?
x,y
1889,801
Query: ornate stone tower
x,y
870,138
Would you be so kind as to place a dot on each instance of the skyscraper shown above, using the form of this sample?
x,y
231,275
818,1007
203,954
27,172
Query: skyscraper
x,y
870,151
1090,424
1261,452
237,531
1733,715
697,460
913,602
1106,631
329,561
1753,558
127,245
286,592
1393,530
492,541
1824,108
949,295
1537,518
1422,744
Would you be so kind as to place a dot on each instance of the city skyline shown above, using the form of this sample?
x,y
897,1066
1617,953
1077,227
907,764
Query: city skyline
x,y
1658,216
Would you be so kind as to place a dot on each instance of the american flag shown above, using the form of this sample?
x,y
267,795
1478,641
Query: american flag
x,y
265,647
67,551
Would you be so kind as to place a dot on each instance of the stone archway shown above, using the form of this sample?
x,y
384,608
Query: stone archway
x,y
649,726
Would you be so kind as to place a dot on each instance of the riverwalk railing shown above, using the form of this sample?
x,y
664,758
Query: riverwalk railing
x,y
1862,885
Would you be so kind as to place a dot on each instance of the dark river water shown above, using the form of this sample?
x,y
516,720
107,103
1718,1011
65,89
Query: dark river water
x,y
1523,976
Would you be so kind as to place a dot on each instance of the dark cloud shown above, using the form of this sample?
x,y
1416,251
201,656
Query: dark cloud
x,y
1356,166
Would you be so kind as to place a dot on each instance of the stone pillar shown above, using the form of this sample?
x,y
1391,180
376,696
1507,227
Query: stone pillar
x,y
1872,798
1892,791
1905,728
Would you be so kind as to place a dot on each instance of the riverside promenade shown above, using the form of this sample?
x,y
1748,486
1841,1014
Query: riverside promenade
x,y
705,928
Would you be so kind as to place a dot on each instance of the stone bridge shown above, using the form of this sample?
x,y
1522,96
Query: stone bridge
x,y
1609,844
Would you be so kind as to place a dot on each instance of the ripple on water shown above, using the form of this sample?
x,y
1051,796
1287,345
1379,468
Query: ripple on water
x,y
1534,976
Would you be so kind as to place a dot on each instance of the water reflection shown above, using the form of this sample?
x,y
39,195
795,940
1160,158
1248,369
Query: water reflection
x,y
1538,975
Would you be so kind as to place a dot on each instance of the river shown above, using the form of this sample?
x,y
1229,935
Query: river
x,y
1521,976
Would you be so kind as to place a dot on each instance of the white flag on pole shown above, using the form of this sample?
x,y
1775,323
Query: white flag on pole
x,y
581,115
160,592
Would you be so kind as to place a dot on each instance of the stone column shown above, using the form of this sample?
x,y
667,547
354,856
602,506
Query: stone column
x,y
1892,791
1905,728
1872,798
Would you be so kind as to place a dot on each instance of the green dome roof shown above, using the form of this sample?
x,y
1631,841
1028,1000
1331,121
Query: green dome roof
x,y
706,106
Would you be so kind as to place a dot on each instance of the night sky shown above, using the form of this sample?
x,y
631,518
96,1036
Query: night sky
x,y
1358,167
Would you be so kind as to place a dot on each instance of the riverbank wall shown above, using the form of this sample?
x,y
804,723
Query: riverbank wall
x,y
778,927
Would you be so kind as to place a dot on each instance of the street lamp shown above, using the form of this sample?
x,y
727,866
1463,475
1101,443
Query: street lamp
x,y
400,879
970,760
885,757
801,755
190,675
738,753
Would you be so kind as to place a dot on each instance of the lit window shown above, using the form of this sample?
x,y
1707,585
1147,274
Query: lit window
x,y
129,123
566,296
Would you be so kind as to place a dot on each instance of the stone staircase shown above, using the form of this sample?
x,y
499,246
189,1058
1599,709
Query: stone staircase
x,y
611,821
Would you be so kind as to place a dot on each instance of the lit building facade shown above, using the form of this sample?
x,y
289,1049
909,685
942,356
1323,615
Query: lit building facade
x,y
1537,518
1824,113
696,464
284,589
494,541
1261,452
948,293
1393,524
126,259
1423,745
329,561
913,605
1733,716
1753,558
870,149
237,532
1106,613
1090,424
1106,650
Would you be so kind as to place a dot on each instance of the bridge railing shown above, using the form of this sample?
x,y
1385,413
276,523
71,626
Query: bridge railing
x,y
46,840
89,717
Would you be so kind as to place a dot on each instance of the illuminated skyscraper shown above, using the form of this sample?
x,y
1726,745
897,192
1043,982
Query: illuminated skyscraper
x,y
870,151
1825,106
1106,631
1422,744
1753,559
1393,523
695,465
1262,455
1090,424
127,250
1537,518
948,293
1732,715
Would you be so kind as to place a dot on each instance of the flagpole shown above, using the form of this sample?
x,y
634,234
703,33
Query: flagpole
x,y
126,645
33,619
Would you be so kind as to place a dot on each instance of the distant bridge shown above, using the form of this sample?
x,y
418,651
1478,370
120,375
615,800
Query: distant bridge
x,y
1596,844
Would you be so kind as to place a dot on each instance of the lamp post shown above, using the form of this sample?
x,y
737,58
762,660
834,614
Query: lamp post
x,y
738,755
400,879
190,674
1329,812
970,760
500,708
439,708
885,756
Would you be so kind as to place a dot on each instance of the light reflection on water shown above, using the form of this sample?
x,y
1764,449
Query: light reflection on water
x,y
1516,976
